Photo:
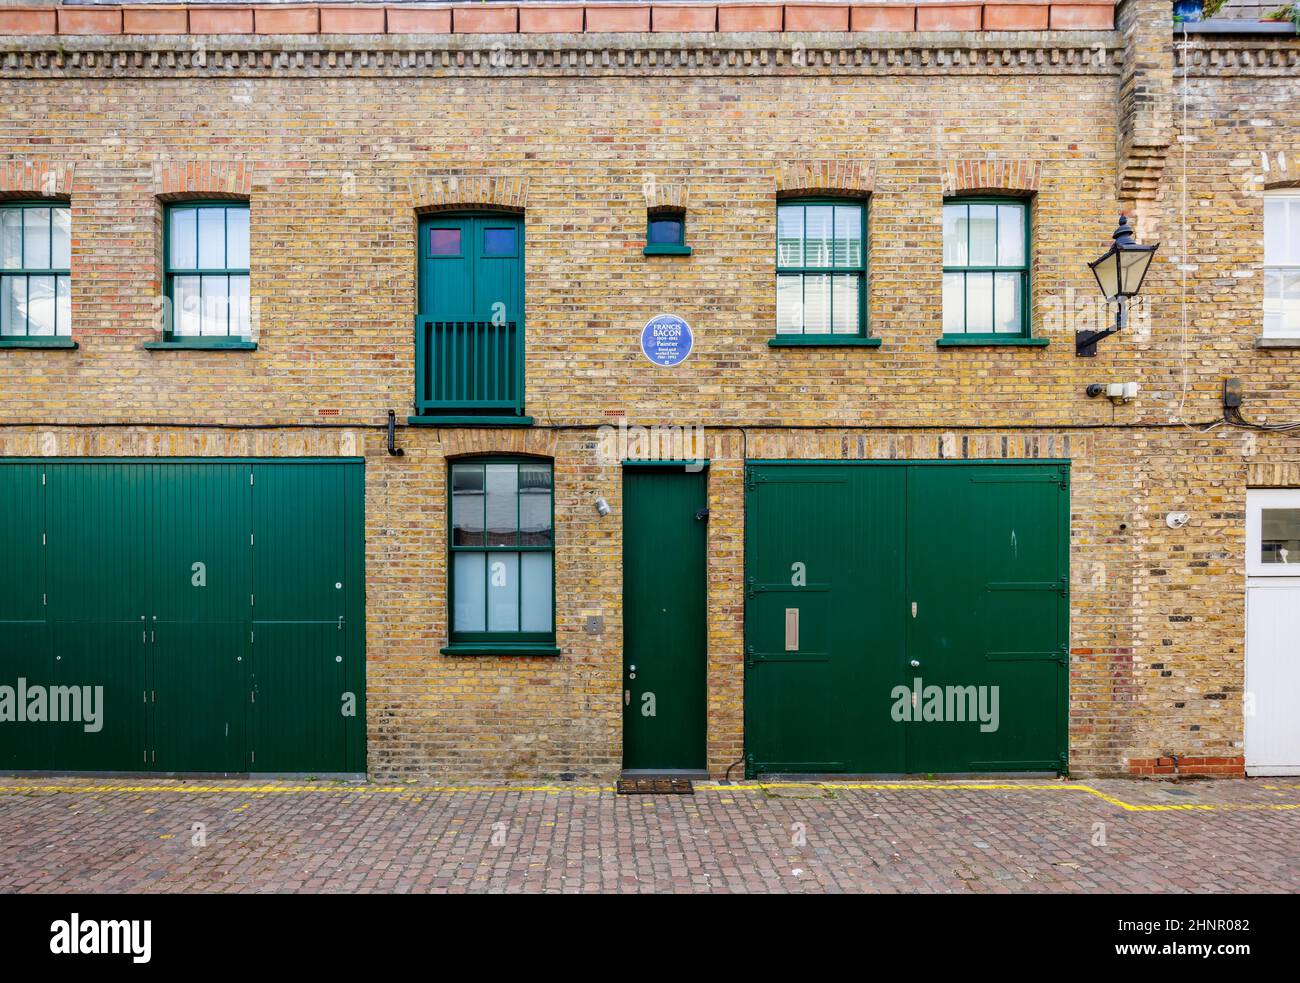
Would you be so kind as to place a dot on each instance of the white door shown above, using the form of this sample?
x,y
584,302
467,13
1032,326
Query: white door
x,y
1273,632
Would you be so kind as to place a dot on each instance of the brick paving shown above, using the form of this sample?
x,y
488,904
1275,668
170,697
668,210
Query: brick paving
x,y
108,835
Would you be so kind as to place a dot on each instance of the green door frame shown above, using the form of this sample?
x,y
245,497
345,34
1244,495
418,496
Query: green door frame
x,y
1063,558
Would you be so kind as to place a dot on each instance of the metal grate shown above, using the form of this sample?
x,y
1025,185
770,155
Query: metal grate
x,y
655,786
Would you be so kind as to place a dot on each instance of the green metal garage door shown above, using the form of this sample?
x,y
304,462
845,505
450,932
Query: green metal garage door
x,y
182,616
906,617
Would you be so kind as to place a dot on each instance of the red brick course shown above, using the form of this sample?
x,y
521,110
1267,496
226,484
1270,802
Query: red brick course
x,y
1017,15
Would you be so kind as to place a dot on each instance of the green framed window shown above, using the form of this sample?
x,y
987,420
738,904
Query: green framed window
x,y
986,268
1282,264
502,553
665,233
821,268
206,270
35,270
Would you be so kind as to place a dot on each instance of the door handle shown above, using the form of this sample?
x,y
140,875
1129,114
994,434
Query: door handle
x,y
340,622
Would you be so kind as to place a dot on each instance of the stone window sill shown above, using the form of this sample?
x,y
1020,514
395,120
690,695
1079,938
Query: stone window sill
x,y
1277,342
47,342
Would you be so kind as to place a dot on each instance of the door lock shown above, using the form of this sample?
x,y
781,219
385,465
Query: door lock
x,y
916,663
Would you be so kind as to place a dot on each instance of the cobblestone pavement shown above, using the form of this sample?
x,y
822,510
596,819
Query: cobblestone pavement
x,y
140,835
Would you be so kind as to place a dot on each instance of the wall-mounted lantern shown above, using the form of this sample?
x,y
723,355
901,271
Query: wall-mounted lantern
x,y
1119,274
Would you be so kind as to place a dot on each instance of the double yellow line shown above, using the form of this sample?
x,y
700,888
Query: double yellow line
x,y
411,791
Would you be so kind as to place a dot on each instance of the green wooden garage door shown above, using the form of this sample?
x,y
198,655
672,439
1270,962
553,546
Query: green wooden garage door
x,y
218,605
906,617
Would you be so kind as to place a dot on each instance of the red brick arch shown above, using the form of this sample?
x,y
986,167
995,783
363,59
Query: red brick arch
x,y
1019,177
177,180
852,178
35,179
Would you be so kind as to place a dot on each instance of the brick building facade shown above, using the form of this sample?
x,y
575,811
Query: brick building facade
x,y
345,128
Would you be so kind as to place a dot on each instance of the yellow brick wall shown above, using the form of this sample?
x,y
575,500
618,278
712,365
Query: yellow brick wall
x,y
337,167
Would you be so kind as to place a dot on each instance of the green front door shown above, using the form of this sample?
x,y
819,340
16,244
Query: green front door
x,y
664,629
209,612
906,617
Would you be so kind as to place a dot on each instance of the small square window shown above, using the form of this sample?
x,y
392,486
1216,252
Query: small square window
x,y
666,231
498,242
444,242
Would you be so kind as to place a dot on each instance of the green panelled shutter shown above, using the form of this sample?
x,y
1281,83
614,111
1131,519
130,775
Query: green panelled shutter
x,y
219,604
961,568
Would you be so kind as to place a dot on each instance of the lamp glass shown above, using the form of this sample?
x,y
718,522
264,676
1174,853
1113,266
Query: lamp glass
x,y
1106,270
1133,265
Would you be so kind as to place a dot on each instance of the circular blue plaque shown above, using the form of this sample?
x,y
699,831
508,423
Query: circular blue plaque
x,y
667,340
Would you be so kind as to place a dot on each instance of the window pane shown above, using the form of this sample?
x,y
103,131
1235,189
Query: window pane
x,y
62,239
216,306
666,231
237,238
11,238
983,235
954,235
979,302
1293,231
40,305
502,590
1279,536
1007,303
537,592
185,305
1011,235
1291,303
954,303
498,242
845,291
13,291
789,304
444,242
817,303
36,238
502,504
848,235
467,504
1273,302
818,235
1275,250
789,235
63,305
212,238
534,504
180,241
241,312
469,589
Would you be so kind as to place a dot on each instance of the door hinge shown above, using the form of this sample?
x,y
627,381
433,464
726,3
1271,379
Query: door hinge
x,y
1064,587
749,655
1064,657
753,588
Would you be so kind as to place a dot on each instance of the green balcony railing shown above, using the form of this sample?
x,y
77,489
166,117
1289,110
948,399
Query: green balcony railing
x,y
468,366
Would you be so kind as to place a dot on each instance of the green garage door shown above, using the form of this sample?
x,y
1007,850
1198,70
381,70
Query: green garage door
x,y
182,616
906,617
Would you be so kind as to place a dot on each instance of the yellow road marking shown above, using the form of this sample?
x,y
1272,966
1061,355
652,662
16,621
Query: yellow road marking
x,y
407,792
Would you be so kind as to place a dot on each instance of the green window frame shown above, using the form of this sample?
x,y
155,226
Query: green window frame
x,y
206,272
661,239
986,263
35,271
501,566
821,271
